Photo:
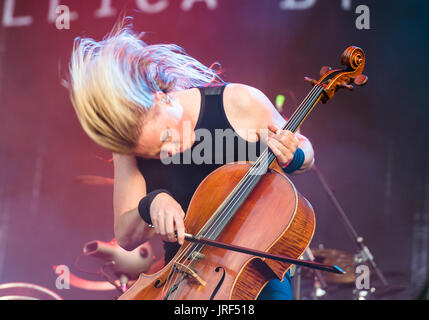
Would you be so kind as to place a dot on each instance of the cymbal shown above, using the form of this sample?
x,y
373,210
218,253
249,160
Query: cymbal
x,y
342,259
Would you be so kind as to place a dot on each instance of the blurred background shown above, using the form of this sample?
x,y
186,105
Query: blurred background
x,y
371,144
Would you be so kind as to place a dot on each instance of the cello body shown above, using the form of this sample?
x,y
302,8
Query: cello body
x,y
275,218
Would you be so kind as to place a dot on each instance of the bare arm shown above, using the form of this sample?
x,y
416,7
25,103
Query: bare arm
x,y
129,188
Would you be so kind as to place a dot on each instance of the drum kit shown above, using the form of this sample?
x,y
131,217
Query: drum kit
x,y
357,266
311,285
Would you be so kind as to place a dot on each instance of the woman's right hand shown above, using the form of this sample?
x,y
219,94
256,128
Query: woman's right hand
x,y
167,216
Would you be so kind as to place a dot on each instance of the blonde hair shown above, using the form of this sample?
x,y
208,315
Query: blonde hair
x,y
112,83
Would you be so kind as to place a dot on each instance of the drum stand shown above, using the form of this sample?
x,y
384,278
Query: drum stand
x,y
363,255
319,285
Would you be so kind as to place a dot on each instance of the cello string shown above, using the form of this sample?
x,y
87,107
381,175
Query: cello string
x,y
294,123
223,215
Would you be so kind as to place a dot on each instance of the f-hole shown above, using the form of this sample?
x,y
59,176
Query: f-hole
x,y
222,279
158,283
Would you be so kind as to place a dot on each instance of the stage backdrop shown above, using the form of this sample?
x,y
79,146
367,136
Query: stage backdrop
x,y
371,144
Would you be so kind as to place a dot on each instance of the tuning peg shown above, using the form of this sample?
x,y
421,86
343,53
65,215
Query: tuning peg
x,y
324,70
312,81
347,86
360,80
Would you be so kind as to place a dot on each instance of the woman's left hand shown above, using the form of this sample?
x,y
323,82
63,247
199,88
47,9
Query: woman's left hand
x,y
283,143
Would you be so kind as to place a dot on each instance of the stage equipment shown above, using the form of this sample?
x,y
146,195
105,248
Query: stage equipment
x,y
280,100
344,259
319,282
251,205
364,255
26,291
127,265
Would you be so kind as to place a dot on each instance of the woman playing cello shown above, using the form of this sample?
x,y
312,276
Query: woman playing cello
x,y
170,121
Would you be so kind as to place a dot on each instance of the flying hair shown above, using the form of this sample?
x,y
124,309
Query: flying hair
x,y
112,83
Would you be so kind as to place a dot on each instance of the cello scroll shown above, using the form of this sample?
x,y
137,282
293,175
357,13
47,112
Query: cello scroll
x,y
353,59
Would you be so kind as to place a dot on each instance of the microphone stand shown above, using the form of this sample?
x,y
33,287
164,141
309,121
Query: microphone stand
x,y
364,253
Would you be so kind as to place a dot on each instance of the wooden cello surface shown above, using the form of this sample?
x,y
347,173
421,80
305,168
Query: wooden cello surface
x,y
275,218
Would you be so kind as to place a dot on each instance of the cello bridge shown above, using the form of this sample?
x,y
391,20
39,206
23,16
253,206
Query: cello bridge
x,y
181,268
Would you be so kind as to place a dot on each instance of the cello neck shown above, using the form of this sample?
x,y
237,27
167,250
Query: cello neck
x,y
299,116
304,109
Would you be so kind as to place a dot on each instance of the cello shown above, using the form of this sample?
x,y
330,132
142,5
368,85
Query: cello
x,y
246,205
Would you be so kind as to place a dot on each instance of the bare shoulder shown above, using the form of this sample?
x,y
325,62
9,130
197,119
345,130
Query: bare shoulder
x,y
241,95
250,101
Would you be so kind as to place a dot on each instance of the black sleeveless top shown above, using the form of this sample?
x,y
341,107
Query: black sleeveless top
x,y
182,179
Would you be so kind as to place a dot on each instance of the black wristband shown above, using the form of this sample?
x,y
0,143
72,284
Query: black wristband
x,y
296,163
145,202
